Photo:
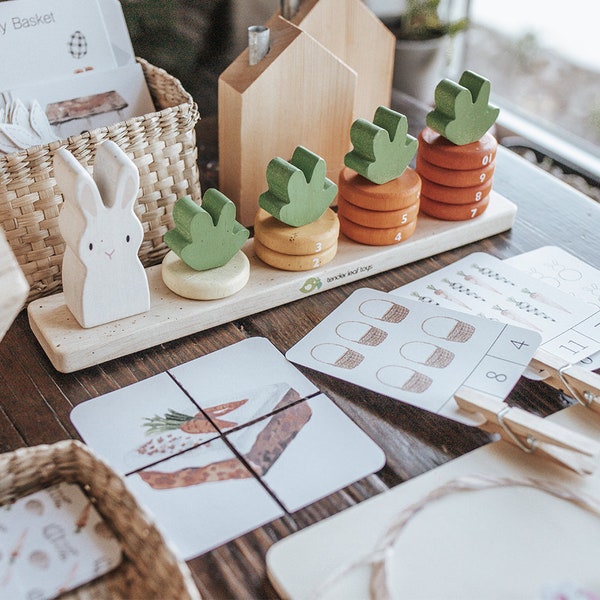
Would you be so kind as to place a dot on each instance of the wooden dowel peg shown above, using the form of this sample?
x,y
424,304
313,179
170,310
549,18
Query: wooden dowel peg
x,y
258,43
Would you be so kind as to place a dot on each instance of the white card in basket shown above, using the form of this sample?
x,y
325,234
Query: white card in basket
x,y
53,541
42,40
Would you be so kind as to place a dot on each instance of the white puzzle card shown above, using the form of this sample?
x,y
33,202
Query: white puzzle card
x,y
307,451
484,285
203,498
418,353
41,40
560,269
141,424
226,442
252,368
53,541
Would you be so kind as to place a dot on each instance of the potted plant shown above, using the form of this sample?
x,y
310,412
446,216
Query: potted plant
x,y
423,32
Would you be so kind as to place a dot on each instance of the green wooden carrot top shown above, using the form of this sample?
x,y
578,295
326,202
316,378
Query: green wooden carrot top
x,y
462,112
382,149
299,191
208,236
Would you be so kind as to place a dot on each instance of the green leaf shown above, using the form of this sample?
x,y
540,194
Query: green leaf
x,y
382,149
462,112
299,191
208,236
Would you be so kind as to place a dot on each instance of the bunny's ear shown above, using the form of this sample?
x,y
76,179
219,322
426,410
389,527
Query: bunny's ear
x,y
75,183
116,176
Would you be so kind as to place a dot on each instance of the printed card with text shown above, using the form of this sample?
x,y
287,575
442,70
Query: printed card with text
x,y
225,443
415,352
483,285
42,40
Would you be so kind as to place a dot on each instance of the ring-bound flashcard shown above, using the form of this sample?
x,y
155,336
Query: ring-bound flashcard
x,y
559,269
415,352
482,284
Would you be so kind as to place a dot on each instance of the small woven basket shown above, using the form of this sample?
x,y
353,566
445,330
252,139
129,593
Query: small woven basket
x,y
149,569
162,144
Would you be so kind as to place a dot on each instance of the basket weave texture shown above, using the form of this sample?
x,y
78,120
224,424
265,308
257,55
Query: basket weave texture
x,y
162,144
149,569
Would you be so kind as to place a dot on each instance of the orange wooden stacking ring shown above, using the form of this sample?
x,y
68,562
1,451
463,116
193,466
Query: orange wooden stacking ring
x,y
451,177
315,237
291,262
372,236
437,150
397,194
378,219
452,212
455,195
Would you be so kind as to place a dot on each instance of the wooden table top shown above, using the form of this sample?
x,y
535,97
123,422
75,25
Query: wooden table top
x,y
35,399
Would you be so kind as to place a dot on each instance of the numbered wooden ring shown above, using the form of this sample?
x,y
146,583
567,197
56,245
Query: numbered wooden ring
x,y
372,236
378,219
455,195
397,194
313,238
291,262
453,212
212,284
454,177
437,150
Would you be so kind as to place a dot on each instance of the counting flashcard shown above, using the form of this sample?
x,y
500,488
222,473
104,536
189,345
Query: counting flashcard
x,y
225,443
484,285
415,352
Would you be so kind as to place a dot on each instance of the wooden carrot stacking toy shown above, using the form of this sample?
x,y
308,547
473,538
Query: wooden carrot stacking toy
x,y
457,153
206,261
294,228
378,199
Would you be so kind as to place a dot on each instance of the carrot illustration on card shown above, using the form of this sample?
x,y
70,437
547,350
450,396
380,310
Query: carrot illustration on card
x,y
198,423
544,299
278,432
446,296
478,281
513,316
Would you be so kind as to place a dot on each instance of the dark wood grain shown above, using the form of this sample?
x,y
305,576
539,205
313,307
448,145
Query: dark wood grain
x,y
35,400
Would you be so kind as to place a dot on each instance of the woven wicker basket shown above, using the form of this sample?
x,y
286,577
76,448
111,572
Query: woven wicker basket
x,y
149,569
162,145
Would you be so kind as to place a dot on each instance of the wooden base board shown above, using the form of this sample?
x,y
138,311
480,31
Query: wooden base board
x,y
70,347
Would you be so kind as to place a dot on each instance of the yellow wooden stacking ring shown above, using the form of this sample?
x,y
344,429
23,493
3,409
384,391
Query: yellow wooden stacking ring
x,y
294,262
318,236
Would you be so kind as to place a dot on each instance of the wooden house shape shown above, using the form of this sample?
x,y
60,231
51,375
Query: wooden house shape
x,y
302,93
356,36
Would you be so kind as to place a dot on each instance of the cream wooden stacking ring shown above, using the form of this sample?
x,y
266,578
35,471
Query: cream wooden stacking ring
x,y
211,284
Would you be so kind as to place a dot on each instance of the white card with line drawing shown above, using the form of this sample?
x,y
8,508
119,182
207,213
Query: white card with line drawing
x,y
557,268
417,353
484,285
560,269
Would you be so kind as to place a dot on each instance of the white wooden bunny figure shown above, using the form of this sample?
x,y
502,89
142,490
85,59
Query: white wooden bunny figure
x,y
103,278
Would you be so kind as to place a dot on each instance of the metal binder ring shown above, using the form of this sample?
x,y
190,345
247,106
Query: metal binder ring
x,y
526,447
